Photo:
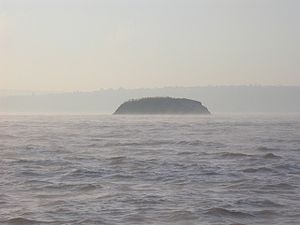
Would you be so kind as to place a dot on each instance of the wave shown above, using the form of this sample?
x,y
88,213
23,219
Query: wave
x,y
186,153
24,221
230,213
202,143
84,173
279,186
116,160
121,176
91,221
104,142
239,186
41,162
265,213
293,141
182,215
258,170
89,187
233,155
91,145
167,142
263,148
271,156
146,143
292,169
37,182
259,203
30,173
63,186
268,203
7,136
128,144
243,155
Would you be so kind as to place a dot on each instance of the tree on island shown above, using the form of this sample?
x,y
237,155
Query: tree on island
x,y
162,105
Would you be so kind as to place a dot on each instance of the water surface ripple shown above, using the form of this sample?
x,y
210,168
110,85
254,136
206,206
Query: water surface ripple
x,y
204,170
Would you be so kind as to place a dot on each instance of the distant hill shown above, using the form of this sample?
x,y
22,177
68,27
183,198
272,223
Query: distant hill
x,y
162,105
238,99
18,93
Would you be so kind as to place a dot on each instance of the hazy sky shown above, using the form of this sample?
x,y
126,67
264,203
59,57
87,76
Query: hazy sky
x,y
91,44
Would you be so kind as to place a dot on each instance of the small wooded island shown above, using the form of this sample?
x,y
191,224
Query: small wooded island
x,y
162,105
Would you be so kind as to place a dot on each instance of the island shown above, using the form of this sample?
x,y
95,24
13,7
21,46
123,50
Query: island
x,y
162,105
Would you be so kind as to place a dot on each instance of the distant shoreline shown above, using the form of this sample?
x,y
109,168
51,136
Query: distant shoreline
x,y
222,99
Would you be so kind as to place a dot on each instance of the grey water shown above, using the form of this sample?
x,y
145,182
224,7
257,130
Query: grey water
x,y
204,170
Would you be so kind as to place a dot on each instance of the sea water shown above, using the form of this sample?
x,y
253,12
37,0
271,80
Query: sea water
x,y
93,169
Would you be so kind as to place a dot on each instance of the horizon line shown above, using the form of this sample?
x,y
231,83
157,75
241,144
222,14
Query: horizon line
x,y
142,88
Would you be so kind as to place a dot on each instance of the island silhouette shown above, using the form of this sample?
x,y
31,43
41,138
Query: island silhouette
x,y
162,105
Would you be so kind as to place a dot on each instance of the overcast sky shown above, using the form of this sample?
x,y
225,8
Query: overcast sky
x,y
69,45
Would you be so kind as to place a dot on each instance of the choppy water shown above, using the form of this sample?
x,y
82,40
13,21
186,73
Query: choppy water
x,y
150,170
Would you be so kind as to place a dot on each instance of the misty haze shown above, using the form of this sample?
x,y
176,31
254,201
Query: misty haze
x,y
161,112
220,99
